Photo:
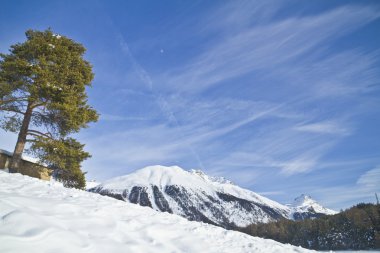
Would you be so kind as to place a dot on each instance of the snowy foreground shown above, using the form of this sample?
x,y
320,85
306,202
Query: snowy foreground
x,y
39,216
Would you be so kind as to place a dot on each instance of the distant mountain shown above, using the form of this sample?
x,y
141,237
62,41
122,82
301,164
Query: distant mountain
x,y
196,196
304,207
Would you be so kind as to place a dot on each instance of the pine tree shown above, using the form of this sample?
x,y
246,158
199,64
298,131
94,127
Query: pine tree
x,y
43,99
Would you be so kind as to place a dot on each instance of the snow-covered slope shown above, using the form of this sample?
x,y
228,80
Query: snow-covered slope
x,y
91,184
305,207
39,216
193,195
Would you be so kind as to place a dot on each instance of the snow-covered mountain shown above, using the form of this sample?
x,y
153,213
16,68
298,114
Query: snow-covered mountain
x,y
40,216
195,196
304,207
91,184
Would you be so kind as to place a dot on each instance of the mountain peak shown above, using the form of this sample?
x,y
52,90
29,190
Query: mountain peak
x,y
303,199
158,175
304,203
220,180
163,176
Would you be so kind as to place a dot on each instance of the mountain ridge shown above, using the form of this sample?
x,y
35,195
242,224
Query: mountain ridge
x,y
197,196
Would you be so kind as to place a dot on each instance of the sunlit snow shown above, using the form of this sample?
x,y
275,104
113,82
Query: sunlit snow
x,y
40,216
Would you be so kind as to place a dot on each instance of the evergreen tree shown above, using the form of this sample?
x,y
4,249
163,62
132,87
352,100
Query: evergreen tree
x,y
356,228
43,99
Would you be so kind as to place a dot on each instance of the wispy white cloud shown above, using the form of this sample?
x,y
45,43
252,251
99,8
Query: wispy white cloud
x,y
237,15
370,180
111,117
348,73
266,47
325,127
221,131
299,165
363,190
287,158
168,140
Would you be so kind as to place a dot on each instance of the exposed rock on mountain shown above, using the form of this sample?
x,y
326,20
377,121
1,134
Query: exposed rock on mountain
x,y
195,196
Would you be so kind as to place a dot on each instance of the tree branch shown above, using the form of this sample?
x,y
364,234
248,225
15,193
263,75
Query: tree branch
x,y
39,134
22,99
11,110
38,105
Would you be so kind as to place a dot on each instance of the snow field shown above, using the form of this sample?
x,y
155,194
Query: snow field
x,y
39,216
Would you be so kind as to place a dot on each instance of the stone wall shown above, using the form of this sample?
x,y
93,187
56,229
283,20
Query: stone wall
x,y
26,167
4,161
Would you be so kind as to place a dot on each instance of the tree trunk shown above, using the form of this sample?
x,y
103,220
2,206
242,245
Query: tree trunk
x,y
21,140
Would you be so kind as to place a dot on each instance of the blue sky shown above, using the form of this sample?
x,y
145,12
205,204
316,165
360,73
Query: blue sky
x,y
281,97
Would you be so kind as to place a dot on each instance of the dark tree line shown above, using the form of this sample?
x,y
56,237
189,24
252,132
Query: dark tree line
x,y
357,228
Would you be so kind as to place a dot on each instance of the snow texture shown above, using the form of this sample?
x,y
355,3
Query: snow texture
x,y
39,216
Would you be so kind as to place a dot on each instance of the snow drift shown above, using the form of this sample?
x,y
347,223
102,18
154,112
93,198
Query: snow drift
x,y
39,216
